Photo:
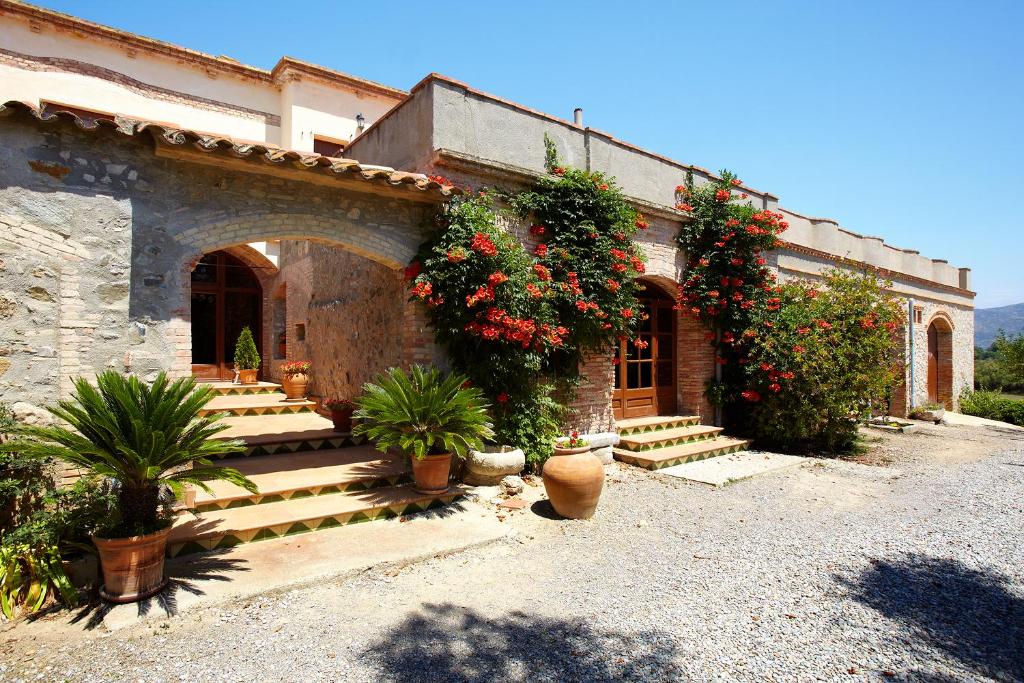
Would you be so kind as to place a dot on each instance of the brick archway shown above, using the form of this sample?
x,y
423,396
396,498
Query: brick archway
x,y
939,340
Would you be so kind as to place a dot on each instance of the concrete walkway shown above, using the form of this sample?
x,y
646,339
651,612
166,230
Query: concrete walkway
x,y
216,577
727,469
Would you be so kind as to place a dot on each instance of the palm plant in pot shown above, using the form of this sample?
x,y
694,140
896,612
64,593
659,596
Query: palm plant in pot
x,y
149,441
247,357
426,416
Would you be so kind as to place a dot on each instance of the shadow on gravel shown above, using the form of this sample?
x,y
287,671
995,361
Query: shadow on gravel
x,y
451,643
181,577
969,615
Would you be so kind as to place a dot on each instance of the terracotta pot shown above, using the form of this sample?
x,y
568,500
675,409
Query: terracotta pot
x,y
430,475
247,376
573,479
295,386
133,568
342,418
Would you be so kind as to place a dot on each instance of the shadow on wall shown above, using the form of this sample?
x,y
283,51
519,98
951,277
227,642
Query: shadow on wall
x,y
968,614
451,643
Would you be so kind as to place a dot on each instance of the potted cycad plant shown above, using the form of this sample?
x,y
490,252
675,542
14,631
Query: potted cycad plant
x,y
428,417
247,358
150,440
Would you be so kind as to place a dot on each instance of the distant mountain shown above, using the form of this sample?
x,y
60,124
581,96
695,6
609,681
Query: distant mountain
x,y
988,321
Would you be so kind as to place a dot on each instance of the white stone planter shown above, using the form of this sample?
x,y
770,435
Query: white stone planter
x,y
489,466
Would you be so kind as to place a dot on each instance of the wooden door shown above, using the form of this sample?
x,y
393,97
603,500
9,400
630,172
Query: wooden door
x,y
933,364
645,376
226,296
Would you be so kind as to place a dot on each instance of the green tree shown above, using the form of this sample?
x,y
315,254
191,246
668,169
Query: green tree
x,y
246,355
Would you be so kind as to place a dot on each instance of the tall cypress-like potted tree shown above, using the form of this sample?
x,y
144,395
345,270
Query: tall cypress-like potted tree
x,y
150,440
247,358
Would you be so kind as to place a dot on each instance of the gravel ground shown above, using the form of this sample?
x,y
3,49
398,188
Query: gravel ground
x,y
832,571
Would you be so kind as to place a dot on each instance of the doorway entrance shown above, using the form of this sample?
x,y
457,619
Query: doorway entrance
x,y
226,296
940,363
645,376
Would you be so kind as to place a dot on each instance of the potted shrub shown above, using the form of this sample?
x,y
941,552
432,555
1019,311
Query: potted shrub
x,y
247,358
573,478
341,413
150,441
427,417
295,379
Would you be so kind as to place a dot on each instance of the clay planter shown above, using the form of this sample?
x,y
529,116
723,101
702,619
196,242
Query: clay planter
x,y
133,568
342,419
573,479
295,386
430,475
247,376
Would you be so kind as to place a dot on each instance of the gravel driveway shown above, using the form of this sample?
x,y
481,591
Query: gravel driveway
x,y
832,571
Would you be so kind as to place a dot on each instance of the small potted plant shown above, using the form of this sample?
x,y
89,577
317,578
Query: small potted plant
x,y
341,413
425,416
295,379
573,478
247,358
149,440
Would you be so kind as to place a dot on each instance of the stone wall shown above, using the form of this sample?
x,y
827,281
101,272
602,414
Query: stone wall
x,y
100,236
352,310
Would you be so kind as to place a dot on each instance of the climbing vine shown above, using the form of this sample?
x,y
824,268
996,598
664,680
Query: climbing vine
x,y
517,322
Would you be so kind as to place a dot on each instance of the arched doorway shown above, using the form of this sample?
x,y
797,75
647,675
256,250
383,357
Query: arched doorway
x,y
226,296
940,362
645,377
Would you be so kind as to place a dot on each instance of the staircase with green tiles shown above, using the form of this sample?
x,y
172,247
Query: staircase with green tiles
x,y
309,478
657,442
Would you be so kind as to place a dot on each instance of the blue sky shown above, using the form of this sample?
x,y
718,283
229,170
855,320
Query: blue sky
x,y
899,119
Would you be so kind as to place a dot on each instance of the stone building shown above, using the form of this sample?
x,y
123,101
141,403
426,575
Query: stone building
x,y
154,199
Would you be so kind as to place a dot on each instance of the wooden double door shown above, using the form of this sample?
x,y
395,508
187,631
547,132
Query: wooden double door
x,y
645,375
226,296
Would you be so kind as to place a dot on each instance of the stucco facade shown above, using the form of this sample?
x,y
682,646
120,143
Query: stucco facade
x,y
104,226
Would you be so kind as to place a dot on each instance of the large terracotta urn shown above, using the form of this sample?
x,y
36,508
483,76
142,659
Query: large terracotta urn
x,y
573,479
294,385
133,568
430,474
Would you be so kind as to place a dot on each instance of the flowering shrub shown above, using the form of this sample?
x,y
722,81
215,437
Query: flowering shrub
x,y
815,360
516,322
296,367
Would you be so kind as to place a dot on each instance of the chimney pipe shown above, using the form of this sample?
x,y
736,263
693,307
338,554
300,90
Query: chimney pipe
x,y
577,116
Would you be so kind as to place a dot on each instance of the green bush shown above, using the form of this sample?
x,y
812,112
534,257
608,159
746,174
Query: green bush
x,y
992,405
246,355
817,359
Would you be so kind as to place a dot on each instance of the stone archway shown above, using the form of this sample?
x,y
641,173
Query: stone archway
x,y
940,360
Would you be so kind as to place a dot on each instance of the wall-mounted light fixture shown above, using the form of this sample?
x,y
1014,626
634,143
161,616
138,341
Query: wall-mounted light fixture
x,y
360,123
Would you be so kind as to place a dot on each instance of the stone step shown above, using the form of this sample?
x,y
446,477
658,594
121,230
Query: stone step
x,y
298,475
642,425
677,455
249,405
230,388
664,438
291,433
227,528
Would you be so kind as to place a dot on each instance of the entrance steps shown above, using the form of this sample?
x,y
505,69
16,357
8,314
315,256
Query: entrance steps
x,y
309,478
657,442
230,388
245,405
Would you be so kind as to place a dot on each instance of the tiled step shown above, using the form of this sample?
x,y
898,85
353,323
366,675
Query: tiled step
x,y
226,528
272,434
642,425
664,438
299,475
230,388
677,455
256,405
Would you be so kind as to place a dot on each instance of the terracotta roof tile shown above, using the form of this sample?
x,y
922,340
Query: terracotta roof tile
x,y
216,144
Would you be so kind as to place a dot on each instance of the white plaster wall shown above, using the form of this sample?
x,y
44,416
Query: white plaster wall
x,y
315,109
